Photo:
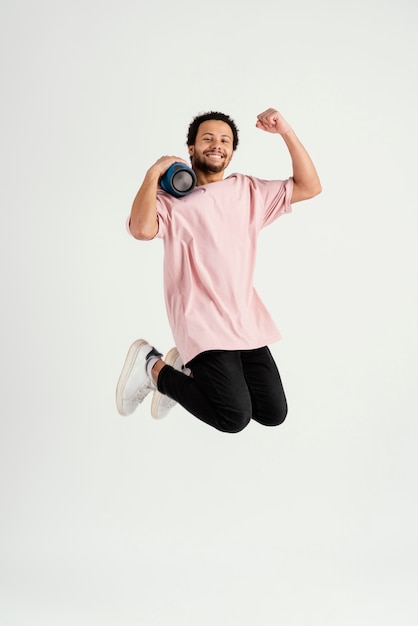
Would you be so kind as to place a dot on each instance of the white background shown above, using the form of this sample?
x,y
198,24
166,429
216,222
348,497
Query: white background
x,y
110,521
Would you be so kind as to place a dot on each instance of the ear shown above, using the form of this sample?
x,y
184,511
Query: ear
x,y
191,150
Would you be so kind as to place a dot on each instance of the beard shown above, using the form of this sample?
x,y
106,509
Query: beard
x,y
208,168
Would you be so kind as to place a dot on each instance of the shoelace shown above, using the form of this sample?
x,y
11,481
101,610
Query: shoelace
x,y
139,394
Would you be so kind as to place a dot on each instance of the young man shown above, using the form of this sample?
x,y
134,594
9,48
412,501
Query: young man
x,y
220,326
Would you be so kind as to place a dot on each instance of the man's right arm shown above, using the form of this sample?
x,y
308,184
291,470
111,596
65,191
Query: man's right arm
x,y
143,222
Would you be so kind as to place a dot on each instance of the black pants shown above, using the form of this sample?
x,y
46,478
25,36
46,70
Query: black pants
x,y
229,388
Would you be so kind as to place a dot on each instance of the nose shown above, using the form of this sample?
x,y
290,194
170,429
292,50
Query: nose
x,y
216,144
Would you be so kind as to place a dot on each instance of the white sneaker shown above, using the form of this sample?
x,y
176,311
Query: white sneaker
x,y
134,383
161,404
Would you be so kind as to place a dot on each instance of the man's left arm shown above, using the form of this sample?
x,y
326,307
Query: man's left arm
x,y
306,181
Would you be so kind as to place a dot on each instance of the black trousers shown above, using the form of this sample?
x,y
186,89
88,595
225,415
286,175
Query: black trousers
x,y
229,388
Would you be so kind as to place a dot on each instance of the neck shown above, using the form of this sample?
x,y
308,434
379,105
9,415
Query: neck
x,y
203,178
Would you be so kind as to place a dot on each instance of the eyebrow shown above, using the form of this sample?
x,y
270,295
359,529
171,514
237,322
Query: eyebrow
x,y
213,134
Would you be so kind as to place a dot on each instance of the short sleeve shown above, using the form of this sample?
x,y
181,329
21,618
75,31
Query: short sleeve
x,y
278,202
162,214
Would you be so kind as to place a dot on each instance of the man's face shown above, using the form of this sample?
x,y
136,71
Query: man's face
x,y
212,150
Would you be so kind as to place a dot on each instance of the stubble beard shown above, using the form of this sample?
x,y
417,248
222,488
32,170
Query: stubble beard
x,y
208,168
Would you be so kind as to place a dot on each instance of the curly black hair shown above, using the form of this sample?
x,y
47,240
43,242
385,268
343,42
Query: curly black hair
x,y
211,115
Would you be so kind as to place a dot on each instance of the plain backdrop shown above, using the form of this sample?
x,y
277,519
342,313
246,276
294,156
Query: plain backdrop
x,y
110,521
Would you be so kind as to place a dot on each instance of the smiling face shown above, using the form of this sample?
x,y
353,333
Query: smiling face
x,y
213,147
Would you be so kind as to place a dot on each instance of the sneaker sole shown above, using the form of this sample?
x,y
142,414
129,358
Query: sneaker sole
x,y
169,359
126,372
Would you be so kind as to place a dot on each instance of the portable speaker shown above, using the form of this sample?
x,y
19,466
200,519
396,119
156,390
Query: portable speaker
x,y
178,180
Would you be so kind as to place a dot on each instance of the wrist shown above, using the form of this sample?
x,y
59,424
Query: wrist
x,y
288,131
153,175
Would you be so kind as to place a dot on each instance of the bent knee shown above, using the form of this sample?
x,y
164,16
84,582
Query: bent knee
x,y
235,423
279,419
274,419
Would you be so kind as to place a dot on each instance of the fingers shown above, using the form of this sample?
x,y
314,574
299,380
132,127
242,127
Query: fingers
x,y
267,119
163,163
273,122
169,160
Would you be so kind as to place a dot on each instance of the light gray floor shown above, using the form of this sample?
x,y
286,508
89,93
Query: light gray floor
x,y
114,522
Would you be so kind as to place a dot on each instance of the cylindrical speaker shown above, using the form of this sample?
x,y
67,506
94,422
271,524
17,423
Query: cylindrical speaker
x,y
178,180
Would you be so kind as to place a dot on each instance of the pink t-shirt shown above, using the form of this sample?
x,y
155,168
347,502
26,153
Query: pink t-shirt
x,y
210,239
